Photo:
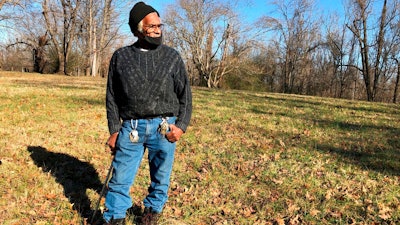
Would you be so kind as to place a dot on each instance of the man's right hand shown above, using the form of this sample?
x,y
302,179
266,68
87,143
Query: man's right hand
x,y
111,142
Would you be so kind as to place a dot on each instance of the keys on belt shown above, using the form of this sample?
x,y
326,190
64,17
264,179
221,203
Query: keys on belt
x,y
163,127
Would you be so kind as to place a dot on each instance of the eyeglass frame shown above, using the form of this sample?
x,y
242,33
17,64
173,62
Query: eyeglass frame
x,y
154,26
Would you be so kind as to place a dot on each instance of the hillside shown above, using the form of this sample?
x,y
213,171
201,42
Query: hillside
x,y
247,158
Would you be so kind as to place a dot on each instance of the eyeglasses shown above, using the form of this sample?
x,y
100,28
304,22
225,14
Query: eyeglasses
x,y
154,26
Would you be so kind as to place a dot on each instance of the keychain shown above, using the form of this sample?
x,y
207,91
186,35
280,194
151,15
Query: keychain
x,y
163,127
134,135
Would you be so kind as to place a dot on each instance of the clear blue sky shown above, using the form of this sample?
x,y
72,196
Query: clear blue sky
x,y
250,10
253,9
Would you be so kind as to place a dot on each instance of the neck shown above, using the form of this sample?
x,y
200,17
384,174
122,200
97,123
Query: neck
x,y
143,44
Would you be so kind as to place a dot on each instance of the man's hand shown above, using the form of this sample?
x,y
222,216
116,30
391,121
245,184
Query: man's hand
x,y
111,142
174,133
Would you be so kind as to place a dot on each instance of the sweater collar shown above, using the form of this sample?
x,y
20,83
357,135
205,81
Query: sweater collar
x,y
136,48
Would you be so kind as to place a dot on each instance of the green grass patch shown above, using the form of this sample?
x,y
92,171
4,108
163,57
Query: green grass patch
x,y
247,157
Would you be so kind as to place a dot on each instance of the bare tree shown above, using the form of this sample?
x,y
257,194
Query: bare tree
x,y
396,82
11,4
67,35
99,28
63,40
393,51
37,47
207,32
30,34
106,33
89,35
297,29
3,2
372,41
342,51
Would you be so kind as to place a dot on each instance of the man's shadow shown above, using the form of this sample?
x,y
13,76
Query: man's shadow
x,y
74,175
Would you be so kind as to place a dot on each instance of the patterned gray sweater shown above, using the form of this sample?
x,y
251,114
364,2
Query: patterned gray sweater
x,y
145,84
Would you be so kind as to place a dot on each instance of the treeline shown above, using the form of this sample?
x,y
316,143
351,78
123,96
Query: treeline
x,y
296,49
71,37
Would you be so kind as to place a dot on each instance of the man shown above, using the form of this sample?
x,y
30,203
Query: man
x,y
149,106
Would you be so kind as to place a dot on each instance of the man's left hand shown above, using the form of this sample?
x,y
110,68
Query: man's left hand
x,y
174,133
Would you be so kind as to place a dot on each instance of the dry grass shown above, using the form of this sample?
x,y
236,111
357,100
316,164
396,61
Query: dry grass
x,y
247,158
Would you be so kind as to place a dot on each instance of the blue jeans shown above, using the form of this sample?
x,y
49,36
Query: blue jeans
x,y
126,163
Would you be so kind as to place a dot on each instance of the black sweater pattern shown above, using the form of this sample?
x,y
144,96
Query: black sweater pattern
x,y
144,84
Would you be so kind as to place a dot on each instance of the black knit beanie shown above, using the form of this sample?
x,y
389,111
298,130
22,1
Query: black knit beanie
x,y
138,12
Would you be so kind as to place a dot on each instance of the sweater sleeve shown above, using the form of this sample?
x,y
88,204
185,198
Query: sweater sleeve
x,y
184,94
113,117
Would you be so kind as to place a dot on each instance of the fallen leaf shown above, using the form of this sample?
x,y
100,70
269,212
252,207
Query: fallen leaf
x,y
384,212
280,221
51,196
314,212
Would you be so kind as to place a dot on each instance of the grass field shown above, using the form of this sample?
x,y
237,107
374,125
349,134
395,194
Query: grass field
x,y
247,158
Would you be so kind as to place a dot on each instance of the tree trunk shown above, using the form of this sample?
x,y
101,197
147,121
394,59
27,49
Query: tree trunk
x,y
89,36
52,29
68,34
396,86
105,29
94,57
39,55
70,16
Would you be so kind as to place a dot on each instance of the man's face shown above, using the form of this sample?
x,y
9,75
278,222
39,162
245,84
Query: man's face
x,y
152,25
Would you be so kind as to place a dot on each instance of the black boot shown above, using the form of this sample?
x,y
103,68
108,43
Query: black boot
x,y
149,217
